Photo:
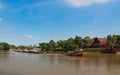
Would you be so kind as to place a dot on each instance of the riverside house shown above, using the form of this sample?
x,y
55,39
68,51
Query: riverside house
x,y
99,42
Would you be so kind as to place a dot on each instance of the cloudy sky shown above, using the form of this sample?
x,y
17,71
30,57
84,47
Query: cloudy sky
x,y
34,21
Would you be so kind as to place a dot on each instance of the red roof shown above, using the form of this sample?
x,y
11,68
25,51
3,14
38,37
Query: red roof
x,y
102,41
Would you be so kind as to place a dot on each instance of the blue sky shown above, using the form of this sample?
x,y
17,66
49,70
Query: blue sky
x,y
33,21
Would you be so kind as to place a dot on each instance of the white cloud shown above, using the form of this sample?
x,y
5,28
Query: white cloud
x,y
1,19
79,3
28,36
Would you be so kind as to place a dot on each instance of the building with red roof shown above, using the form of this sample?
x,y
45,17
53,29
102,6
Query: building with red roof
x,y
99,42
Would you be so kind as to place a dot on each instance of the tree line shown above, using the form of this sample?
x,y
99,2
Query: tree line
x,y
5,47
113,41
65,45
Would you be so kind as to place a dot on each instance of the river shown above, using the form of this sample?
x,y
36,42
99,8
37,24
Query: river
x,y
42,64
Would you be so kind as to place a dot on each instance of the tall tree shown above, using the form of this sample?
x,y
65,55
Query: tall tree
x,y
60,44
43,46
4,46
111,41
70,44
118,39
78,41
51,45
88,41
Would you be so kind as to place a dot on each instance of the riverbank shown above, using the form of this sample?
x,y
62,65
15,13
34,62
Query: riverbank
x,y
88,50
85,51
64,52
4,52
98,50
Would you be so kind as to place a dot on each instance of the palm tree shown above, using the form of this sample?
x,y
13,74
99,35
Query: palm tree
x,y
111,41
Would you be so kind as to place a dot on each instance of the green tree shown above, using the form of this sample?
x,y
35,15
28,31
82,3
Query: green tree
x,y
51,45
70,45
111,41
60,45
78,41
88,41
4,46
118,39
12,47
43,46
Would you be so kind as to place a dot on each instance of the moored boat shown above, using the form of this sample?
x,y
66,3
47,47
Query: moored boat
x,y
76,53
34,51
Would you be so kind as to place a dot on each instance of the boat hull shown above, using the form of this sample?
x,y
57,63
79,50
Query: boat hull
x,y
80,53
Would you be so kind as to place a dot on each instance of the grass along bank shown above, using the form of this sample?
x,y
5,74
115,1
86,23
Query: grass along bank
x,y
94,49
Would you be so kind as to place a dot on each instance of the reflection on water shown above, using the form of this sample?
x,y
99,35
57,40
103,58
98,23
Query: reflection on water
x,y
38,64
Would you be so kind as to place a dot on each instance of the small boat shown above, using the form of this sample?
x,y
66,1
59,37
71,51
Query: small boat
x,y
76,53
34,51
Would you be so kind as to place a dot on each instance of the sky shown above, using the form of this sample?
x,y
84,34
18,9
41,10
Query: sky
x,y
24,22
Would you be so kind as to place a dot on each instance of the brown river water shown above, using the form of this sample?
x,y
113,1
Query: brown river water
x,y
41,64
